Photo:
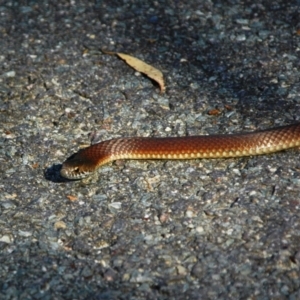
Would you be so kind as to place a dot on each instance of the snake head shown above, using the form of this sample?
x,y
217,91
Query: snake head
x,y
76,167
86,161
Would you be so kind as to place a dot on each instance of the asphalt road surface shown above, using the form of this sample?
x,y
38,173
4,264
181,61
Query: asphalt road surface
x,y
196,229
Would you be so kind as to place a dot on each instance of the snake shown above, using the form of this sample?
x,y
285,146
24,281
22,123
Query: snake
x,y
86,161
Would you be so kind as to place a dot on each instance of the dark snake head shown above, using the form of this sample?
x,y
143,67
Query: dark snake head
x,y
77,167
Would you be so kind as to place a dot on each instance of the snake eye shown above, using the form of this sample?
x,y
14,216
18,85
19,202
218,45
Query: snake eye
x,y
76,170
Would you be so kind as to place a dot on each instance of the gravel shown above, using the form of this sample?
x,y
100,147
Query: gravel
x,y
209,229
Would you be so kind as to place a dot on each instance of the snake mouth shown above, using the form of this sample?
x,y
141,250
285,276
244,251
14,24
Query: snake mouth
x,y
73,173
74,168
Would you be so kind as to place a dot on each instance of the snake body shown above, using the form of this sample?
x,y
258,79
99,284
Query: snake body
x,y
88,160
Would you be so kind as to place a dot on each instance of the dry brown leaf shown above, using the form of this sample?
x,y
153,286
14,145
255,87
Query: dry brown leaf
x,y
142,67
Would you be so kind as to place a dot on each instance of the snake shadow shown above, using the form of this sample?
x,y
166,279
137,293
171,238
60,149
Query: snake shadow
x,y
53,174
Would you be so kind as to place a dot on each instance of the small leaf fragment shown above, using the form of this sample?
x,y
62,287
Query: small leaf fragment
x,y
60,225
72,198
35,165
214,112
142,67
228,107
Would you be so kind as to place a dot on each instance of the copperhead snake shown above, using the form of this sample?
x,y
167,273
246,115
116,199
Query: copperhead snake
x,y
88,160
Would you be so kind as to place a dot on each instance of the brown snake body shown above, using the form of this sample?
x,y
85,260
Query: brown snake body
x,y
88,160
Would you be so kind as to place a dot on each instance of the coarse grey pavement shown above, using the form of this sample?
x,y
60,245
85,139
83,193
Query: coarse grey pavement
x,y
190,229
